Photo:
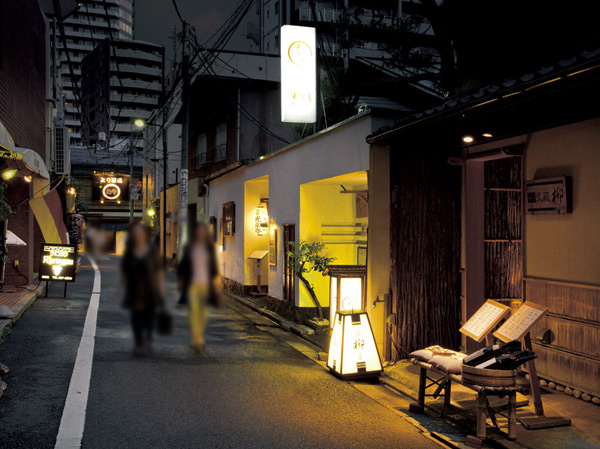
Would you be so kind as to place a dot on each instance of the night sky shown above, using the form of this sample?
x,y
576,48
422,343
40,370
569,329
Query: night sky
x,y
156,19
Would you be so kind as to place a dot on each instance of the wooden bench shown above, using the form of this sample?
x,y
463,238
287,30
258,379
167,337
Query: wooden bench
x,y
484,409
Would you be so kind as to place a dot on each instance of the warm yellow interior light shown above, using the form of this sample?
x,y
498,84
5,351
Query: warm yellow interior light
x,y
468,139
9,174
27,178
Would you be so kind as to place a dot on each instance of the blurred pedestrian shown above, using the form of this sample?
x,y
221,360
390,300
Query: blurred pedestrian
x,y
198,274
144,283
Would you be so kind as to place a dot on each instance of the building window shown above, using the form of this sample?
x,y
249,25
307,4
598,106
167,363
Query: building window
x,y
276,7
229,218
201,151
221,142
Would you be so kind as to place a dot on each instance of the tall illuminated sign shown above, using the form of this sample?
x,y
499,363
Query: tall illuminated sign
x,y
298,74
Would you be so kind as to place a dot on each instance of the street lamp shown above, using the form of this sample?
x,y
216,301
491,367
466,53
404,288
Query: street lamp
x,y
140,123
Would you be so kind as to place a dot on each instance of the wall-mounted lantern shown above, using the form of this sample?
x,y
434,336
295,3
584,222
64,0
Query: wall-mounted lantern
x,y
260,220
352,351
346,288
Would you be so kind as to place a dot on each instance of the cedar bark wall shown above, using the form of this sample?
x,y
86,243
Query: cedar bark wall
x,y
425,250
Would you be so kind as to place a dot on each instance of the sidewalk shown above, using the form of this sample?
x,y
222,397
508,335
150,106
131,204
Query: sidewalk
x,y
584,432
17,301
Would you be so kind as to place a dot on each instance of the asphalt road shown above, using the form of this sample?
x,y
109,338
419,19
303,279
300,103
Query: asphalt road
x,y
251,390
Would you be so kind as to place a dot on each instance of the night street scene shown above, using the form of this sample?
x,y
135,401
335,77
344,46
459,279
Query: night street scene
x,y
327,224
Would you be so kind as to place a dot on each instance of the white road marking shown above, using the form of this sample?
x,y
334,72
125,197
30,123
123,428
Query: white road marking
x,y
72,422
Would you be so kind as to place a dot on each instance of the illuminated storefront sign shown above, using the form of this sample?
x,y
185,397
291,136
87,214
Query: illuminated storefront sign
x,y
58,263
352,351
110,188
298,74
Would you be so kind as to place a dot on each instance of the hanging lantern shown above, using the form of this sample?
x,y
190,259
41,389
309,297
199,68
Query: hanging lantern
x,y
352,351
261,220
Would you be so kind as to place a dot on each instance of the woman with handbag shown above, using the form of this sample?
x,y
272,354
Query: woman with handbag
x,y
198,273
143,279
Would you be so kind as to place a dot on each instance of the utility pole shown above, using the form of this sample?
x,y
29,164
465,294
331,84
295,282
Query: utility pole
x,y
165,116
131,214
183,183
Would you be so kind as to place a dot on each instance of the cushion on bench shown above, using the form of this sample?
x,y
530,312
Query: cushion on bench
x,y
425,355
451,364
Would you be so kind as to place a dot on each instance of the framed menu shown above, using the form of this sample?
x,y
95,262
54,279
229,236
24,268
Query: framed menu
x,y
485,320
517,326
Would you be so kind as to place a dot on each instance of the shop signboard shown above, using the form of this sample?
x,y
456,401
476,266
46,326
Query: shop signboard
x,y
110,188
298,74
58,262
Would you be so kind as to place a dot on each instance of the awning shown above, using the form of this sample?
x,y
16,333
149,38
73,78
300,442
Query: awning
x,y
7,145
13,239
29,164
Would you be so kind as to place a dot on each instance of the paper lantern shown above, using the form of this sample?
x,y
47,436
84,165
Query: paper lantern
x,y
261,220
352,350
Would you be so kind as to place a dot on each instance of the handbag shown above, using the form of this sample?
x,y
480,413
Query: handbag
x,y
164,322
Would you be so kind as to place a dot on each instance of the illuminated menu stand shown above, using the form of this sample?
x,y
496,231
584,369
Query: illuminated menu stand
x,y
258,256
58,263
353,352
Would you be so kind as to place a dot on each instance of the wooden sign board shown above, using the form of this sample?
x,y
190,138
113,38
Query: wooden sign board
x,y
548,196
485,320
517,326
273,247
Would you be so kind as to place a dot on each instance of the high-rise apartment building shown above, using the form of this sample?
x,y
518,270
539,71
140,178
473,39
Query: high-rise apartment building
x,y
93,22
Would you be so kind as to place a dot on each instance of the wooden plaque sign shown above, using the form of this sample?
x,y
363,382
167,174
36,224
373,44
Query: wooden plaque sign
x,y
485,320
517,326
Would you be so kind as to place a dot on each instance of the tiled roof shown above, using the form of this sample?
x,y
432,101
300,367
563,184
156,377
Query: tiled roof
x,y
494,92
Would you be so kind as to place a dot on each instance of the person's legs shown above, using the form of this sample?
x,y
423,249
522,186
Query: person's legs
x,y
149,324
137,324
197,315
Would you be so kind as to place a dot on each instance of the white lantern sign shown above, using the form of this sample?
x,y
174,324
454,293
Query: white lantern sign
x,y
298,74
352,350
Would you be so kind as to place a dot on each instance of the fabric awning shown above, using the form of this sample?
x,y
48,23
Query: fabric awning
x,y
7,145
29,164
14,239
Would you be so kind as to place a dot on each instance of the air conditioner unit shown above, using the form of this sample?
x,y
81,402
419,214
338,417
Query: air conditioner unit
x,y
62,154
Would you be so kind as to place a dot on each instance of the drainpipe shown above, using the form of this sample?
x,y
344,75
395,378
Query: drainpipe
x,y
239,124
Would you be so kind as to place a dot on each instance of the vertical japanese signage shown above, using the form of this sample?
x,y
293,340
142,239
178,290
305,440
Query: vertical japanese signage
x,y
298,74
58,263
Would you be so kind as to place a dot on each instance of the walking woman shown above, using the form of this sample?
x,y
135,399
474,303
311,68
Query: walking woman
x,y
143,279
198,272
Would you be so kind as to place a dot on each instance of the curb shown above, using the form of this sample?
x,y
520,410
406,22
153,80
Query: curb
x,y
284,324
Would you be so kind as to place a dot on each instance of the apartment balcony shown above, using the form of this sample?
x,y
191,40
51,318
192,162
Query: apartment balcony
x,y
212,156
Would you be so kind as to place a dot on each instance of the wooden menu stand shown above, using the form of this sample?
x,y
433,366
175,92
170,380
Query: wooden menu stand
x,y
258,256
518,327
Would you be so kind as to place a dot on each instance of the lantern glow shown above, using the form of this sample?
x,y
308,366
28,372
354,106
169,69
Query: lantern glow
x,y
260,221
352,350
346,288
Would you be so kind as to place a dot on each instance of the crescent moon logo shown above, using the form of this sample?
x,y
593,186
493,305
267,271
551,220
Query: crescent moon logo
x,y
111,191
299,52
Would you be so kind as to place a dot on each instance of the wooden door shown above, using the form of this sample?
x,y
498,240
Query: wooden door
x,y
503,230
289,236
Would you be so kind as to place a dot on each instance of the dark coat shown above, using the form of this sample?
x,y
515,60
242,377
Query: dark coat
x,y
142,290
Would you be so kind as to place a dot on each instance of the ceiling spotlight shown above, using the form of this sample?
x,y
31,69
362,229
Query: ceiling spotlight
x,y
488,135
27,178
468,139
